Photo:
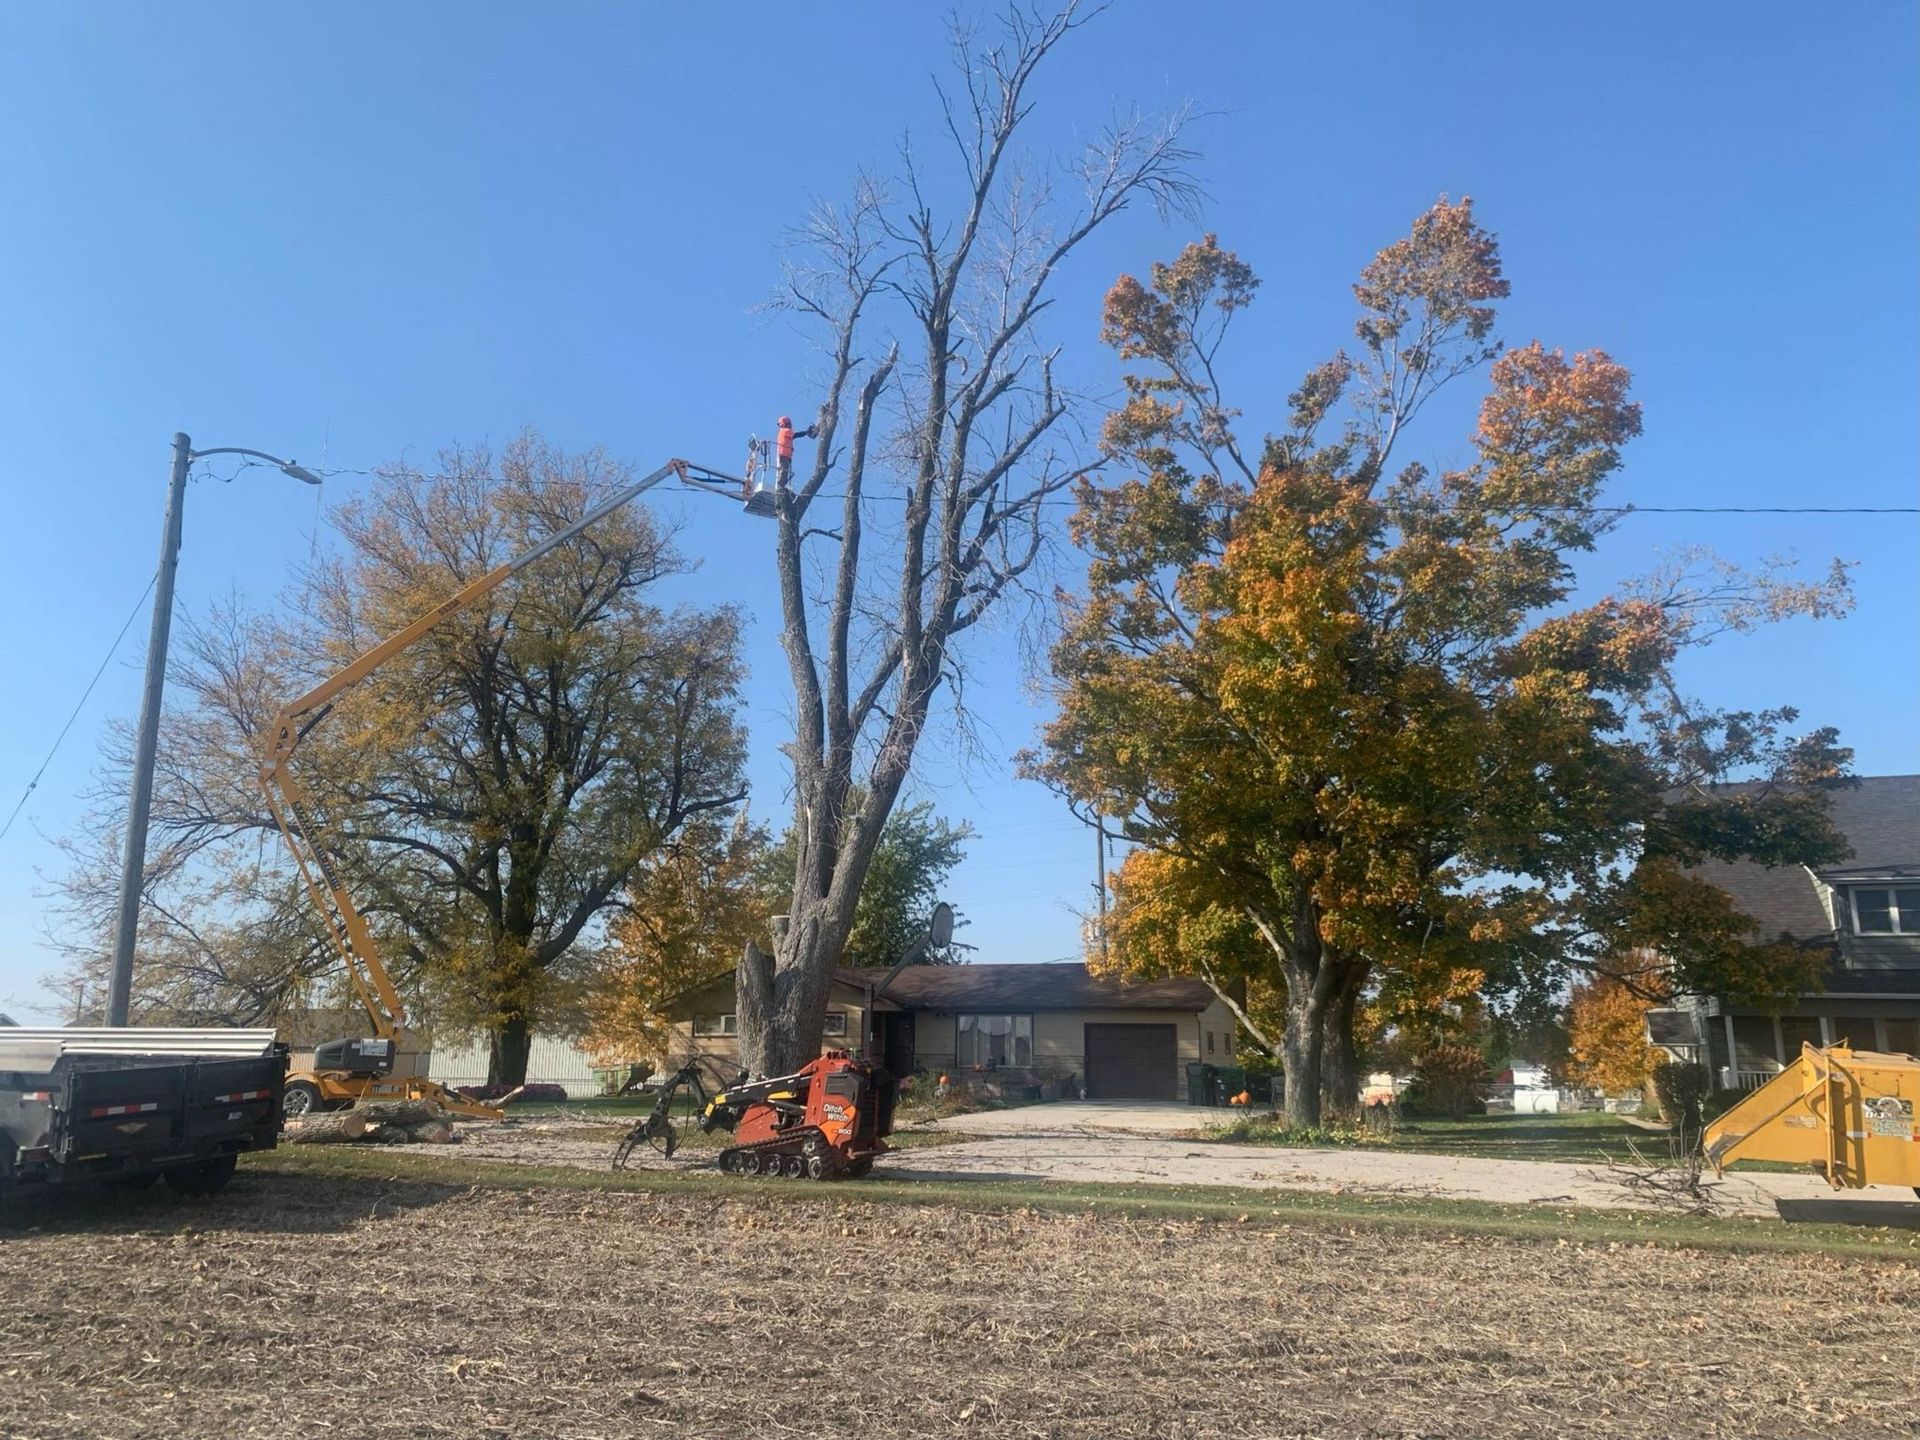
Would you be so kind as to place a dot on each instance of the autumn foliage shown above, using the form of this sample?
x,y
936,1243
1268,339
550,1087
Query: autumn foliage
x,y
1607,1036
1362,739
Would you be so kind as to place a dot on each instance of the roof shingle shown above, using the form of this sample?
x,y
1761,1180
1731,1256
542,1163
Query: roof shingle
x,y
1057,986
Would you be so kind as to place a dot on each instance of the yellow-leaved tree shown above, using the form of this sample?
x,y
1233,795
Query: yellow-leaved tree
x,y
1363,739
1607,1036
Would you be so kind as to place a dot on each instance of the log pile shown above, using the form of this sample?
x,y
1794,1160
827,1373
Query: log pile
x,y
384,1122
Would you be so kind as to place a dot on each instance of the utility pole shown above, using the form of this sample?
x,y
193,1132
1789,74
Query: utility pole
x,y
133,868
1100,875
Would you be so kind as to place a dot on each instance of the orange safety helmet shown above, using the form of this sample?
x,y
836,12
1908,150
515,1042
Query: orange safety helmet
x,y
786,423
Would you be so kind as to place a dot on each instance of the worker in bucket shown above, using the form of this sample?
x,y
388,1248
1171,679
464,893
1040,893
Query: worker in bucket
x,y
783,439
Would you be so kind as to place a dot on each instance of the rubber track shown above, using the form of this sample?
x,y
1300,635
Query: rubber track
x,y
786,1143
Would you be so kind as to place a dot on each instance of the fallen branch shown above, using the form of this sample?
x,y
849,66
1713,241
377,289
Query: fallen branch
x,y
1677,1183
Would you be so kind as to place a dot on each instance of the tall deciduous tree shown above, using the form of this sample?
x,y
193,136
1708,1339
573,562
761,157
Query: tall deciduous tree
x,y
488,793
1350,708
936,434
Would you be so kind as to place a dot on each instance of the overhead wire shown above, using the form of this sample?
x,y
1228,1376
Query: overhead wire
x,y
1067,502
112,649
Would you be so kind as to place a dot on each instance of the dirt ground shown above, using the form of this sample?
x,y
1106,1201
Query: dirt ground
x,y
296,1306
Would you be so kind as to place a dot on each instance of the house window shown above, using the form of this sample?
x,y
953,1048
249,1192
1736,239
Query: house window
x,y
836,1023
1858,1031
716,1025
1886,909
995,1040
1795,1031
1903,1036
1209,1042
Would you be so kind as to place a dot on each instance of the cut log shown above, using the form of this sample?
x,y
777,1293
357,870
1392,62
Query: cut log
x,y
434,1132
329,1128
402,1113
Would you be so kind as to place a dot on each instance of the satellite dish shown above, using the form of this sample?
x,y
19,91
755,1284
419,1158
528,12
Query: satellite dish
x,y
940,928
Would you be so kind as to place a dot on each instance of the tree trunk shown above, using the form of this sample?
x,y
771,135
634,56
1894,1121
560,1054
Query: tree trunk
x,y
1339,1055
1302,1046
753,1007
511,1044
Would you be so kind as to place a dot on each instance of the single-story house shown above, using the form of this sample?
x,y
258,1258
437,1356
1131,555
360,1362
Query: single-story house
x,y
1117,1039
1863,915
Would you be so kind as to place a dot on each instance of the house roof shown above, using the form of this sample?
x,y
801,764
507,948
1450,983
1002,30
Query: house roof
x,y
1058,986
1879,815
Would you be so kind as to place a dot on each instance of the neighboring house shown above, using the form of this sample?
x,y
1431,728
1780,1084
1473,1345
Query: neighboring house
x,y
1120,1040
1529,1088
1863,913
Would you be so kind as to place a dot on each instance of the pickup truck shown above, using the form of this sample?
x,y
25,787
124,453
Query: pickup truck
x,y
128,1106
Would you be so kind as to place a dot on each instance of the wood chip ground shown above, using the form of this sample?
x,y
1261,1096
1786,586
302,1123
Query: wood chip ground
x,y
382,1309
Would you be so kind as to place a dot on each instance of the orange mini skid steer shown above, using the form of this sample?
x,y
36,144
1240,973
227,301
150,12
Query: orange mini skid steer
x,y
830,1118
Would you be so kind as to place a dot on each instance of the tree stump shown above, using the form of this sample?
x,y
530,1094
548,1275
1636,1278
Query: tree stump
x,y
336,1127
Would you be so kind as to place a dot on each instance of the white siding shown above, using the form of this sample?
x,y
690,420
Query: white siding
x,y
549,1062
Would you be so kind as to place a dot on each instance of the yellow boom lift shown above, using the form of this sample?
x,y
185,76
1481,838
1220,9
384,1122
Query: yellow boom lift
x,y
1847,1113
345,1071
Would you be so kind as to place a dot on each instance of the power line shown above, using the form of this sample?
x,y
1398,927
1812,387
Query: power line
x,y
132,615
1063,501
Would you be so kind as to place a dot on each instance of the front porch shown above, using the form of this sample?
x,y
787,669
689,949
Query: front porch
x,y
1747,1050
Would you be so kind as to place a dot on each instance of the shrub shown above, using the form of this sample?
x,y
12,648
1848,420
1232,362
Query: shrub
x,y
1683,1090
1259,1130
1448,1080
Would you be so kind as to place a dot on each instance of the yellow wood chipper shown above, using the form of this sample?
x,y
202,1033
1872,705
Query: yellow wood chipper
x,y
1847,1113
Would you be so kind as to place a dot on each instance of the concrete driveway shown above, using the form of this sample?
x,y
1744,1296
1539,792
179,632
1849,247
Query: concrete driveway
x,y
1084,1117
1130,1142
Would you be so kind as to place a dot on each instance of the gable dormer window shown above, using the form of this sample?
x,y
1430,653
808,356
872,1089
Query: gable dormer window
x,y
1886,909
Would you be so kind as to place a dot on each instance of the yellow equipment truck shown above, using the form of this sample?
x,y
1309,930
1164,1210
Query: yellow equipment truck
x,y
1847,1113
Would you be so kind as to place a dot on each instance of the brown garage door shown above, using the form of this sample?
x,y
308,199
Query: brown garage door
x,y
1131,1062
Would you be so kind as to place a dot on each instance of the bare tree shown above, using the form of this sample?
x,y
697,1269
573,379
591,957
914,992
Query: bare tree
x,y
940,413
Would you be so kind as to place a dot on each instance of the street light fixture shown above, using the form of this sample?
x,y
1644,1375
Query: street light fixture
x,y
133,868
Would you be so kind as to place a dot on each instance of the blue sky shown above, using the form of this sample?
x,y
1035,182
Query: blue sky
x,y
353,233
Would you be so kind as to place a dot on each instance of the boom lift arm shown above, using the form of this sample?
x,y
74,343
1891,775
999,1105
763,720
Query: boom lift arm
x,y
290,803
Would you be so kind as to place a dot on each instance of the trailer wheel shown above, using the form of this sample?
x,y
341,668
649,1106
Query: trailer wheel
x,y
205,1177
301,1097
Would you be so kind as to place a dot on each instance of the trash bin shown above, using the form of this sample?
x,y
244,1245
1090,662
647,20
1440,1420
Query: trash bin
x,y
1231,1079
1196,1083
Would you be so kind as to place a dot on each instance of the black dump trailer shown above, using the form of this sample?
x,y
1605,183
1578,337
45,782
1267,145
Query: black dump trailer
x,y
128,1106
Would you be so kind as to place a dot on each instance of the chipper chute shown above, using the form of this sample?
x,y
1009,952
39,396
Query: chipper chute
x,y
1847,1113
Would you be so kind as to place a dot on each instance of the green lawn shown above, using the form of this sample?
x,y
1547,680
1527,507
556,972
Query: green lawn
x,y
1339,1212
1590,1137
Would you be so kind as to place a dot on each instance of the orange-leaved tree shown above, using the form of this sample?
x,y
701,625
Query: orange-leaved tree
x,y
1353,708
1607,1044
688,912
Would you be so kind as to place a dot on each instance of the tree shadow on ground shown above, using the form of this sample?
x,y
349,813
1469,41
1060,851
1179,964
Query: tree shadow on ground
x,y
1898,1215
252,1203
